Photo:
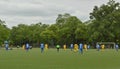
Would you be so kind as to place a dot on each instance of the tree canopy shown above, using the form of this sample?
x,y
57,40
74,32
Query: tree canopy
x,y
103,26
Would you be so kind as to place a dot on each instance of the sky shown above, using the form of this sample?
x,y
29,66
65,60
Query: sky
x,y
15,12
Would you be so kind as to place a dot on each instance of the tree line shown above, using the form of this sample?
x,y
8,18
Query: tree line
x,y
103,26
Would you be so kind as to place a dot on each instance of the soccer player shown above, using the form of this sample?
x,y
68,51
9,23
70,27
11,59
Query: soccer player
x,y
75,47
98,47
42,47
81,48
46,46
6,45
58,47
27,47
103,47
85,47
23,47
64,47
88,47
71,47
116,47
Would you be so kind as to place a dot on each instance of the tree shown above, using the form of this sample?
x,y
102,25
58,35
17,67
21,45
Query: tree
x,y
82,33
20,34
105,22
67,26
4,32
2,23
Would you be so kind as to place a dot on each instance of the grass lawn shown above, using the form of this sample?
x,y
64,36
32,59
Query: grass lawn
x,y
51,59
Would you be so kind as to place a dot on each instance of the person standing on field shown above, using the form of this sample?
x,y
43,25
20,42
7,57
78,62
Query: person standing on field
x,y
116,47
58,47
6,45
23,47
85,47
46,46
76,48
103,47
88,47
42,47
27,47
98,47
64,47
81,48
71,47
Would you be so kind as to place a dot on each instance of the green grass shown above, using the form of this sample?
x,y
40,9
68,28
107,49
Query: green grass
x,y
51,59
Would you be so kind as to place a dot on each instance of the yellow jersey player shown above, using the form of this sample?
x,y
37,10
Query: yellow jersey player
x,y
85,47
64,47
46,46
23,47
103,47
75,47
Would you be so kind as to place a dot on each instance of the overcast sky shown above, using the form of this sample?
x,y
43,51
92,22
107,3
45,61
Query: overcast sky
x,y
14,12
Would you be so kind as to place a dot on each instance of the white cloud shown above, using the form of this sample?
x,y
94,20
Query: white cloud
x,y
45,11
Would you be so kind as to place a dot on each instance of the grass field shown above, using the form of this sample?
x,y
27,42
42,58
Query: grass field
x,y
51,59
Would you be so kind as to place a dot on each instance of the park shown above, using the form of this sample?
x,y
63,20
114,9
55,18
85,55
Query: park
x,y
67,43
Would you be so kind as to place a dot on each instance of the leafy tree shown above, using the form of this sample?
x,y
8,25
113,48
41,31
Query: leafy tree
x,y
67,25
4,32
105,22
20,34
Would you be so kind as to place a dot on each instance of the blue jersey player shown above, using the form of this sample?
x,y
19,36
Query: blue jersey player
x,y
98,47
6,46
116,47
81,48
71,47
27,47
42,47
88,47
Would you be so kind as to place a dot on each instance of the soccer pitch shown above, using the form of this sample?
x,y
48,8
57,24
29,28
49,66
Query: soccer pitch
x,y
51,59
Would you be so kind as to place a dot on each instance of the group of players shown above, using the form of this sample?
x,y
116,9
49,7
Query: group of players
x,y
73,47
98,47
42,47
